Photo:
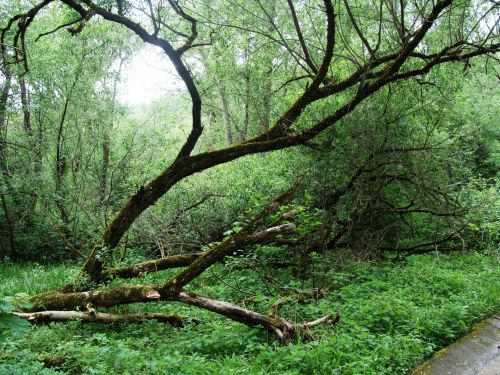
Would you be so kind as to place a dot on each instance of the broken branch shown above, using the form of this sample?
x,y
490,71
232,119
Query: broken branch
x,y
98,317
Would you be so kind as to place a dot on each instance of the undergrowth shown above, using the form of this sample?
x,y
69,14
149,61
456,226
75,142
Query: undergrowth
x,y
392,317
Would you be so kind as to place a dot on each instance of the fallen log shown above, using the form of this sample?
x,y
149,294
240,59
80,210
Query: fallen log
x,y
101,298
284,330
98,317
173,290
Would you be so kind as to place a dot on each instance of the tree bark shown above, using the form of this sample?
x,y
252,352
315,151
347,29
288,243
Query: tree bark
x,y
225,114
98,317
4,172
10,226
100,298
25,107
60,166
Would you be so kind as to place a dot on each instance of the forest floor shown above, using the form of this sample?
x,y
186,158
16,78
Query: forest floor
x,y
393,317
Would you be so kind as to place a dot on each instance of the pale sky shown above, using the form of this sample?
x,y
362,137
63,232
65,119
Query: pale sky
x,y
149,76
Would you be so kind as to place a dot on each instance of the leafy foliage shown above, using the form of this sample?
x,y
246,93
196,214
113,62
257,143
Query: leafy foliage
x,y
392,316
10,323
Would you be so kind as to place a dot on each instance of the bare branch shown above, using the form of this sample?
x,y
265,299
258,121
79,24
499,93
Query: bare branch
x,y
358,30
302,41
58,28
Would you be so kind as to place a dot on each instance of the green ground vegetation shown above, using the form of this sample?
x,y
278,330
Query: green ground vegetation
x,y
393,315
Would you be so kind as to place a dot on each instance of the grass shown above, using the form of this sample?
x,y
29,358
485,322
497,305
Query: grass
x,y
392,317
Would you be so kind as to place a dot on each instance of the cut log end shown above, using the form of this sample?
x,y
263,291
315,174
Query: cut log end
x,y
153,294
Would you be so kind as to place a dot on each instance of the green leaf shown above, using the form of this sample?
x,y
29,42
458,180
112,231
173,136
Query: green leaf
x,y
6,304
13,323
21,301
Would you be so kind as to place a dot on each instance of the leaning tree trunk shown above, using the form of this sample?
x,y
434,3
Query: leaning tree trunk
x,y
279,136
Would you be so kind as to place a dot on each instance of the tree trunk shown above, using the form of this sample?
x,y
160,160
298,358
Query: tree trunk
x,y
103,176
4,172
10,227
106,146
225,115
268,74
60,167
266,100
210,142
246,118
35,148
25,107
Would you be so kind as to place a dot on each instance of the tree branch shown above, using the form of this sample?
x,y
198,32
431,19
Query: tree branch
x,y
99,317
303,45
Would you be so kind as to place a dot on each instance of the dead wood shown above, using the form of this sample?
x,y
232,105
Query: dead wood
x,y
56,302
98,317
135,270
284,330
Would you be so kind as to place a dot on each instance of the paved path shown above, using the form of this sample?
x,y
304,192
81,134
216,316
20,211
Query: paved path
x,y
478,353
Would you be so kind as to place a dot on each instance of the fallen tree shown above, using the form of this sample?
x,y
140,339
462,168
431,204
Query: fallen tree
x,y
377,65
173,290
